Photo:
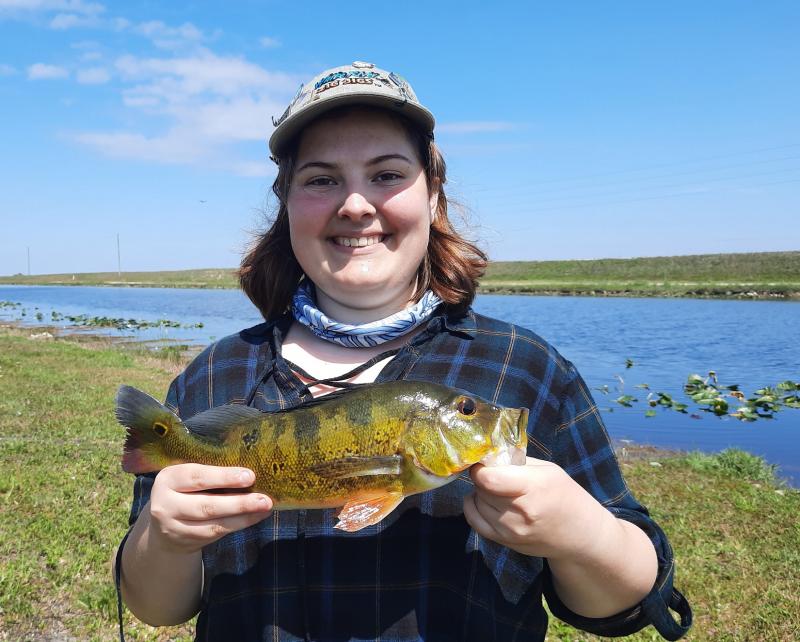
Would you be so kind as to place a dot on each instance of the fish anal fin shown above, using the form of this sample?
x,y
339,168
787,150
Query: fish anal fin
x,y
359,513
356,466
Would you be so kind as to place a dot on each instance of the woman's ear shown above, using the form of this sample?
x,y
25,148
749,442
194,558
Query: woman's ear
x,y
433,201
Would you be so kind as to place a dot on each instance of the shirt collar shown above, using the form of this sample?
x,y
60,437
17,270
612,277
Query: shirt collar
x,y
464,324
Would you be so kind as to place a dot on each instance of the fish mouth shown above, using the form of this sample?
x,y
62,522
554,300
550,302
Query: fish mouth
x,y
509,440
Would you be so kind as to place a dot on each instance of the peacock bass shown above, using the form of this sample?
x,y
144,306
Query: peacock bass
x,y
364,448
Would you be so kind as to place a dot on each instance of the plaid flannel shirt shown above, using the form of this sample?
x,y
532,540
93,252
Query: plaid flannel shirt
x,y
422,573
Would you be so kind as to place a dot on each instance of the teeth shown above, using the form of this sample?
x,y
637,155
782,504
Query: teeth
x,y
361,241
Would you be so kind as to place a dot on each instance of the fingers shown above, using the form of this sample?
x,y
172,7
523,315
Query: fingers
x,y
503,481
187,513
206,506
205,532
190,478
510,481
185,492
473,513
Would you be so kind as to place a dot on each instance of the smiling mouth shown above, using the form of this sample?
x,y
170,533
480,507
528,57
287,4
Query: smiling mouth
x,y
357,241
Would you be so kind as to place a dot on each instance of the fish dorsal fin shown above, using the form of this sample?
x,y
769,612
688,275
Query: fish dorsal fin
x,y
213,424
358,513
323,399
355,466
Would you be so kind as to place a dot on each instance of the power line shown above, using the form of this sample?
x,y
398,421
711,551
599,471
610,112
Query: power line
x,y
528,184
523,192
536,202
631,200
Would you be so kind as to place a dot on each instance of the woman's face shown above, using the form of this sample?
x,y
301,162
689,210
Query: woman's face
x,y
359,213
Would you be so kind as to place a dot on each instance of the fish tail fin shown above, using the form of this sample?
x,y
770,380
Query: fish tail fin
x,y
151,426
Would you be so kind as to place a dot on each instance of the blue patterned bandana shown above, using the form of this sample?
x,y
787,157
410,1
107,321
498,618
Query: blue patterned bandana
x,y
365,335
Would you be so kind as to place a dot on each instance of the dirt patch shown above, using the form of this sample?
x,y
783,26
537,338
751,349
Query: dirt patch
x,y
630,452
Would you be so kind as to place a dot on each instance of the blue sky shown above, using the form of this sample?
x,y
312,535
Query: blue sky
x,y
571,130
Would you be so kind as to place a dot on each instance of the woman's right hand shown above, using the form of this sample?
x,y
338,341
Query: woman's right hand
x,y
185,515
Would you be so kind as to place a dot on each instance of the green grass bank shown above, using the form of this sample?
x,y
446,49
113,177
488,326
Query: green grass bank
x,y
64,503
746,275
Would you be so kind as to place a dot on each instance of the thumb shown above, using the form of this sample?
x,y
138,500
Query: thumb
x,y
506,481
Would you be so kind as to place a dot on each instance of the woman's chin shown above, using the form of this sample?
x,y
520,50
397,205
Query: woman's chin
x,y
363,292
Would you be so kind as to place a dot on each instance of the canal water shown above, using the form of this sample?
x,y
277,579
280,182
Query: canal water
x,y
750,343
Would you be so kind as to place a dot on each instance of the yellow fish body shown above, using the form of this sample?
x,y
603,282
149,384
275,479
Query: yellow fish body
x,y
364,448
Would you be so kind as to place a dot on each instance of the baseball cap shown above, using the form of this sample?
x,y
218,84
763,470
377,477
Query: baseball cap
x,y
360,83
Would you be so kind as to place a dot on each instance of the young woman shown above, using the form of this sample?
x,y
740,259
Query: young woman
x,y
362,278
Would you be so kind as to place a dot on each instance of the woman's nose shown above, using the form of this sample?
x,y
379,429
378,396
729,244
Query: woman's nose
x,y
355,206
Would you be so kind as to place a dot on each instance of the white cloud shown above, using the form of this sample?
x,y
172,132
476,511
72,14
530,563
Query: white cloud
x,y
202,73
236,120
64,21
174,147
71,6
253,169
475,126
7,70
179,146
211,104
268,42
93,76
41,71
166,37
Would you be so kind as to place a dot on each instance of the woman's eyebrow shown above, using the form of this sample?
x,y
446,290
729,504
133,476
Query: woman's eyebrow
x,y
320,164
373,161
385,157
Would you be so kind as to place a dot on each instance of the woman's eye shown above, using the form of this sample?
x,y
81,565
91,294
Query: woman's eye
x,y
385,177
321,181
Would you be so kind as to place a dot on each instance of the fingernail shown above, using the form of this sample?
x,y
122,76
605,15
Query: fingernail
x,y
246,477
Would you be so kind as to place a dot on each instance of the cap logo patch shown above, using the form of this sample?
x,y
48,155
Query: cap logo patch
x,y
337,75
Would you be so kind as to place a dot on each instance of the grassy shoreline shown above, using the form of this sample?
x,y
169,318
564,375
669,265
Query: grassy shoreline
x,y
64,504
758,275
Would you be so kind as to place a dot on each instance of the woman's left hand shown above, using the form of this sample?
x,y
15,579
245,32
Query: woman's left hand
x,y
535,509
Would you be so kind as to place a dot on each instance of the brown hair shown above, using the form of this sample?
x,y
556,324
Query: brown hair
x,y
269,272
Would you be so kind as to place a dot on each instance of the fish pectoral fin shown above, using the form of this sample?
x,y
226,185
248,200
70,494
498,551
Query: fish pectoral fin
x,y
358,513
356,466
214,424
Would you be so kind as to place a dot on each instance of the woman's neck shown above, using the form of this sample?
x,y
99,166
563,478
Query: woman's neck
x,y
356,314
323,359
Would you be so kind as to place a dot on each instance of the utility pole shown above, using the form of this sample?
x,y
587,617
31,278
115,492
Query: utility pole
x,y
119,263
29,260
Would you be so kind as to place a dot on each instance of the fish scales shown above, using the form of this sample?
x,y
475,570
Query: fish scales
x,y
363,449
290,450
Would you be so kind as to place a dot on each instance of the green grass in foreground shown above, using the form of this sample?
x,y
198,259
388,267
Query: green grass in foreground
x,y
756,274
64,504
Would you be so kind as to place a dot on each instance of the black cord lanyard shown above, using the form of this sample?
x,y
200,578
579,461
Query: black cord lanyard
x,y
339,381
118,582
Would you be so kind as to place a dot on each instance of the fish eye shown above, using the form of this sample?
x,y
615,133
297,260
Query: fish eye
x,y
160,429
467,406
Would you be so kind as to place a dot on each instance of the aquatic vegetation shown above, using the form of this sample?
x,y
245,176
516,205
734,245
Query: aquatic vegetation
x,y
122,324
85,320
712,397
